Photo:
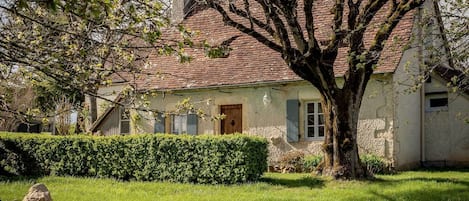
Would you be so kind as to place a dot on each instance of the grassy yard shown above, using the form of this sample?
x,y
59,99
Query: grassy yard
x,y
413,185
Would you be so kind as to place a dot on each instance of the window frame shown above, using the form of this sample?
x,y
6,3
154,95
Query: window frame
x,y
316,124
183,123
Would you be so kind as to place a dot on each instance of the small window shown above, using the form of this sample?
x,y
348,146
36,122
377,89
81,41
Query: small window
x,y
436,102
179,124
314,121
428,80
125,121
439,102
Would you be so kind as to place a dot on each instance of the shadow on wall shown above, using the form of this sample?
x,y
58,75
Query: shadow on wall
x,y
277,147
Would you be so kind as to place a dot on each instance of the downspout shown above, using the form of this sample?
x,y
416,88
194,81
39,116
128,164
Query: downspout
x,y
422,88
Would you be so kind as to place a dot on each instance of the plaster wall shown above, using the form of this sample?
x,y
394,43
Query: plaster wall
x,y
375,124
446,130
408,112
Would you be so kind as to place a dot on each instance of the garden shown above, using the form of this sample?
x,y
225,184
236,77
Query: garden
x,y
413,185
170,167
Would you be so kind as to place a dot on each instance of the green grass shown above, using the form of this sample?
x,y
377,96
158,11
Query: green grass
x,y
412,185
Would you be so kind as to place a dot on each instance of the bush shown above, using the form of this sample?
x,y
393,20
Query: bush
x,y
310,162
201,159
375,164
292,161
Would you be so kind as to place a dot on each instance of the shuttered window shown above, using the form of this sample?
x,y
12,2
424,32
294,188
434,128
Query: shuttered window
x,y
178,124
160,122
293,115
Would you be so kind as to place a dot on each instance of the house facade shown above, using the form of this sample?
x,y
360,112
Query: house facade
x,y
258,95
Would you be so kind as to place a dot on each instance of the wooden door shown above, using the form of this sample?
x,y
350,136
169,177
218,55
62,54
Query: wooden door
x,y
233,122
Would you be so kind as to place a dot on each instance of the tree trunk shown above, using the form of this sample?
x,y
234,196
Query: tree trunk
x,y
79,125
341,159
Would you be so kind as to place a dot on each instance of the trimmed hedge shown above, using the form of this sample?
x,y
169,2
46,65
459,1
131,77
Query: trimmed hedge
x,y
200,159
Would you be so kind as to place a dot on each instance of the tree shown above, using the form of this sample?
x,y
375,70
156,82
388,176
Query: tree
x,y
15,102
74,47
279,27
453,16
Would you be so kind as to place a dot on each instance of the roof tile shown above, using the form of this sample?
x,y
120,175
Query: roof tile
x,y
250,61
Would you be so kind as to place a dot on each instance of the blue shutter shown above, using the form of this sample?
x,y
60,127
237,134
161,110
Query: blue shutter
x,y
293,115
159,124
192,120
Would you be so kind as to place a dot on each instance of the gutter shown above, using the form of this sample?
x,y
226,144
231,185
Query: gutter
x,y
422,90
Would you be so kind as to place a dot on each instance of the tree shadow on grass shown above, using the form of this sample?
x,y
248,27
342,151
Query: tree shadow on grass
x,y
444,169
306,181
16,178
459,192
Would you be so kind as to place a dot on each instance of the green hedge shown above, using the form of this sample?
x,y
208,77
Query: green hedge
x,y
201,159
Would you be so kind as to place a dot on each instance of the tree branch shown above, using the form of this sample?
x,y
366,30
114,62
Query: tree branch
x,y
289,10
337,33
230,22
313,45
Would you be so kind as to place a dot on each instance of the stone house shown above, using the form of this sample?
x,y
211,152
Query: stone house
x,y
261,96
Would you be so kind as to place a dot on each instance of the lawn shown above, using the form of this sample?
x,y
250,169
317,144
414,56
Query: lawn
x,y
412,185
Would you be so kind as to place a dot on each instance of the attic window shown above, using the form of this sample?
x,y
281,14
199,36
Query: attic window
x,y
436,102
439,102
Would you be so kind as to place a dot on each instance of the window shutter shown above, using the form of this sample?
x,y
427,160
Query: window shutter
x,y
293,116
192,120
160,124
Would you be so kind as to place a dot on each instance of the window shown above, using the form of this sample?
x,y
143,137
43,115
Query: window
x,y
439,102
436,101
178,124
314,120
125,121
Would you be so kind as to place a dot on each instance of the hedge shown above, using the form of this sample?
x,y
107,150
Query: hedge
x,y
176,158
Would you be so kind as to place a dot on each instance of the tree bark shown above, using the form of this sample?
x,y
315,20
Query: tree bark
x,y
341,159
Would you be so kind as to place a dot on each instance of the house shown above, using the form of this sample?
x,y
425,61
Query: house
x,y
260,95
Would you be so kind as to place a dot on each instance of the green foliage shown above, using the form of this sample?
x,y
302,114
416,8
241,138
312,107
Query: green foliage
x,y
375,164
201,159
310,162
292,161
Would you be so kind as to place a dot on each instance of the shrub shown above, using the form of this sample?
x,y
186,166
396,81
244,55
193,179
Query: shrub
x,y
375,164
310,162
201,159
292,161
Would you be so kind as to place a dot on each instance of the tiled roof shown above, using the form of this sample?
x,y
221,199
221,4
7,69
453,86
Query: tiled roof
x,y
250,61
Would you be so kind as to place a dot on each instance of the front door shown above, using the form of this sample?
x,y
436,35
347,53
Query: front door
x,y
233,122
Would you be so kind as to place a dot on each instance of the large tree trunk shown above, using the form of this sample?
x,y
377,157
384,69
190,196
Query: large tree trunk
x,y
341,159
